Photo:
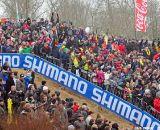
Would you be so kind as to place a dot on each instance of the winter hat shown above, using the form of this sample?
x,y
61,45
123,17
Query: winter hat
x,y
84,107
158,94
71,127
22,75
90,112
94,126
45,88
147,91
115,126
138,86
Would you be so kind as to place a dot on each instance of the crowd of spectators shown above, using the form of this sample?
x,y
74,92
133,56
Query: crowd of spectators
x,y
128,64
29,100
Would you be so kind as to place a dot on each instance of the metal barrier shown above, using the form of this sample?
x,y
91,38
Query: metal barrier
x,y
114,88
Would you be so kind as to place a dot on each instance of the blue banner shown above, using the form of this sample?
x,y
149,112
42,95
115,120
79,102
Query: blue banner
x,y
79,85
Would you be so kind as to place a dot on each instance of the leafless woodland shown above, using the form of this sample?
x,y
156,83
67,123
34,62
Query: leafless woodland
x,y
113,16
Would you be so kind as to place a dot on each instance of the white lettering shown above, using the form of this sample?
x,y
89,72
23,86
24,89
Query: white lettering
x,y
44,68
155,126
28,62
74,80
107,101
52,72
7,59
141,9
63,77
15,61
136,115
123,107
145,119
97,94
82,87
140,18
37,67
114,104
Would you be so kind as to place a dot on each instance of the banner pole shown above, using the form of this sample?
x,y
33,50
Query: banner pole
x,y
135,31
17,13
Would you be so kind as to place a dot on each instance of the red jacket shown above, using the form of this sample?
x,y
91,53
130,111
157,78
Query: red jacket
x,y
122,49
156,56
156,104
25,27
75,108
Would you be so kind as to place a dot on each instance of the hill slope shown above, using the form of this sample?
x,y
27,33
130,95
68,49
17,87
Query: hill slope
x,y
65,93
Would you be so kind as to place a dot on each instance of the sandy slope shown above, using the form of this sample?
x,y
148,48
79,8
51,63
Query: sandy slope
x,y
65,93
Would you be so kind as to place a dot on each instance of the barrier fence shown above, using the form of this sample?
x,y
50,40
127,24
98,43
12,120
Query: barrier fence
x,y
116,90
103,98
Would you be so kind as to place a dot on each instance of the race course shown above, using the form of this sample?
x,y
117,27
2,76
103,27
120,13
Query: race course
x,y
65,93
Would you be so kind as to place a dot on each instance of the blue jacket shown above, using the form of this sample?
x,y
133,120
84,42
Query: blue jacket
x,y
55,52
64,57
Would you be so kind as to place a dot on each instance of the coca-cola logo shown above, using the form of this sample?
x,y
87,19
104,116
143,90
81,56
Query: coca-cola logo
x,y
141,11
141,8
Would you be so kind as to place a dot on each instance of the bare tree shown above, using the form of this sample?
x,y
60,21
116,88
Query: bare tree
x,y
77,11
26,8
114,16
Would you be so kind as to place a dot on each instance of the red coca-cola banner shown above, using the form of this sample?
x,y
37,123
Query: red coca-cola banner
x,y
141,15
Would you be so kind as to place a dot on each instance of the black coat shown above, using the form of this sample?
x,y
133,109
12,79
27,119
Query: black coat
x,y
15,98
9,83
37,49
55,52
45,51
148,100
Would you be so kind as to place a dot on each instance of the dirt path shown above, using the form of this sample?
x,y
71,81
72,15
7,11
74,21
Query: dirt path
x,y
65,93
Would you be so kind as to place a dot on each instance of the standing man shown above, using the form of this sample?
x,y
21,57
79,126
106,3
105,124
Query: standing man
x,y
20,84
9,82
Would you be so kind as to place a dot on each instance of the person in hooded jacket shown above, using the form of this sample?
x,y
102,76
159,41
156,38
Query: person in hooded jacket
x,y
156,102
9,82
115,126
37,48
2,108
45,50
148,98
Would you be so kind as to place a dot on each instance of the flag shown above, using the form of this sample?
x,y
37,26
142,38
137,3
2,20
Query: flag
x,y
75,62
9,104
74,59
141,62
56,42
105,41
141,15
96,37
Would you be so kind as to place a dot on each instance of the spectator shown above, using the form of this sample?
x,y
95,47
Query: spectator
x,y
20,85
15,77
80,123
147,98
115,126
157,101
75,107
9,82
32,90
45,50
14,95
89,118
26,49
2,108
37,47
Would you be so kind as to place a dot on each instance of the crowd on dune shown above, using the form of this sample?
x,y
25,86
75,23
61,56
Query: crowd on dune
x,y
105,60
